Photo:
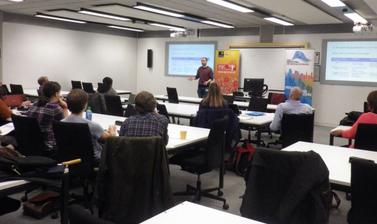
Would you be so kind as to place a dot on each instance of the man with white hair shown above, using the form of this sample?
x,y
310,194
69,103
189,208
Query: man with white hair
x,y
291,106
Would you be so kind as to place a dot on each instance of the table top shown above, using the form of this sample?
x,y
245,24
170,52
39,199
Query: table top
x,y
189,213
336,159
12,183
194,134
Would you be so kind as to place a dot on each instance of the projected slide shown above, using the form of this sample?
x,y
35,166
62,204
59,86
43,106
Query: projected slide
x,y
351,61
183,59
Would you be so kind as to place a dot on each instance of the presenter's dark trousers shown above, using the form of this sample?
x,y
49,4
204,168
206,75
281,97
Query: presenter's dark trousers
x,y
202,91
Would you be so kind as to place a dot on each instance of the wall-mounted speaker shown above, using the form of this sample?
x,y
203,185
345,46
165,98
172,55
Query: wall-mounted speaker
x,y
149,58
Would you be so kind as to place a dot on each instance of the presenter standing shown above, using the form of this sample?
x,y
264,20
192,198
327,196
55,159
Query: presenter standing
x,y
205,76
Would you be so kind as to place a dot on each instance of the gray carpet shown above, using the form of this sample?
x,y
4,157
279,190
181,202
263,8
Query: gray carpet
x,y
233,189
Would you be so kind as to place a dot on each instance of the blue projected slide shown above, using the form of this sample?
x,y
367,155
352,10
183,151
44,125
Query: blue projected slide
x,y
183,59
351,61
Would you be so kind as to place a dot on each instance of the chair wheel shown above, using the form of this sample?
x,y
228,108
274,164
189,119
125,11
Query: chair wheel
x,y
225,206
220,193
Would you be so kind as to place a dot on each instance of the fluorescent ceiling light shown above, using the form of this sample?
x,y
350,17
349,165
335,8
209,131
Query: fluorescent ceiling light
x,y
334,3
16,0
157,10
210,22
87,12
172,28
278,21
126,28
231,5
356,18
59,18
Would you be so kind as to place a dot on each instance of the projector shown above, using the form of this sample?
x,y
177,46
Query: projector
x,y
362,28
188,32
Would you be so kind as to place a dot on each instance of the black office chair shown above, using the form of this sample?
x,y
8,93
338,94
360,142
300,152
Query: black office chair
x,y
366,107
366,137
79,215
276,98
16,89
29,136
74,141
88,87
363,191
76,84
96,102
258,104
161,109
296,127
284,187
229,99
172,95
130,111
4,90
199,161
113,105
100,87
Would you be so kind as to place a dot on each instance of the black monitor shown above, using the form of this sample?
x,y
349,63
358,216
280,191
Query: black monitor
x,y
253,86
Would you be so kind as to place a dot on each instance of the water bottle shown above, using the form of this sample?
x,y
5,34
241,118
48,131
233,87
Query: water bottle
x,y
88,114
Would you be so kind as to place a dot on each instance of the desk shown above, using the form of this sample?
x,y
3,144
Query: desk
x,y
12,186
196,100
190,213
340,127
336,159
194,134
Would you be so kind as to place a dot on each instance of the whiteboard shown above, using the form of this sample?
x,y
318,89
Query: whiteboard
x,y
267,63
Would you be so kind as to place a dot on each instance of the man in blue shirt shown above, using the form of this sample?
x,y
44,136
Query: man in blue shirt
x,y
291,106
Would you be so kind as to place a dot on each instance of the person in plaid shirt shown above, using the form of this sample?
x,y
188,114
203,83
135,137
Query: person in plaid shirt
x,y
147,122
50,107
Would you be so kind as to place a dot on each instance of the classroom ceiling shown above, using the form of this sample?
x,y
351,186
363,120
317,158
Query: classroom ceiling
x,y
299,12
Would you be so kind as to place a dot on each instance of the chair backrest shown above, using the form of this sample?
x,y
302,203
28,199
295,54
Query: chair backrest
x,y
296,127
88,87
366,137
130,111
172,95
229,98
216,143
366,107
74,141
16,89
276,98
4,90
161,109
113,105
76,84
258,104
235,108
100,87
28,135
96,103
131,99
79,215
363,191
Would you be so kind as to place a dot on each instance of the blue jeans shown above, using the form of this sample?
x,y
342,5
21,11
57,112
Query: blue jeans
x,y
202,91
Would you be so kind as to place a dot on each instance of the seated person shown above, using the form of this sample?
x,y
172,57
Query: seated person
x,y
147,122
41,81
77,101
108,87
365,118
291,106
50,107
214,98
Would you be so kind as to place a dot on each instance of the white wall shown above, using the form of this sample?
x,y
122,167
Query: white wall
x,y
30,51
330,101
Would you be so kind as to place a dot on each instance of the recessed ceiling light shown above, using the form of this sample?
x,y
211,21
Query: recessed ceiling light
x,y
172,28
105,15
59,18
356,18
158,10
231,5
210,22
16,0
278,21
334,3
125,28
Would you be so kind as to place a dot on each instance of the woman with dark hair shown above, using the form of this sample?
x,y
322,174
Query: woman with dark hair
x,y
107,87
147,122
50,107
365,118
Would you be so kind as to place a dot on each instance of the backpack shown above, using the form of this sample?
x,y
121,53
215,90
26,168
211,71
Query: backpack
x,y
242,157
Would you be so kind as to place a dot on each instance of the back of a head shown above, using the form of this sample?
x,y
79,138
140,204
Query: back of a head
x,y
145,102
49,90
295,93
77,100
42,80
372,101
214,97
107,83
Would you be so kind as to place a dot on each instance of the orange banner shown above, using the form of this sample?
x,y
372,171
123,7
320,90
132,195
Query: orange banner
x,y
227,69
